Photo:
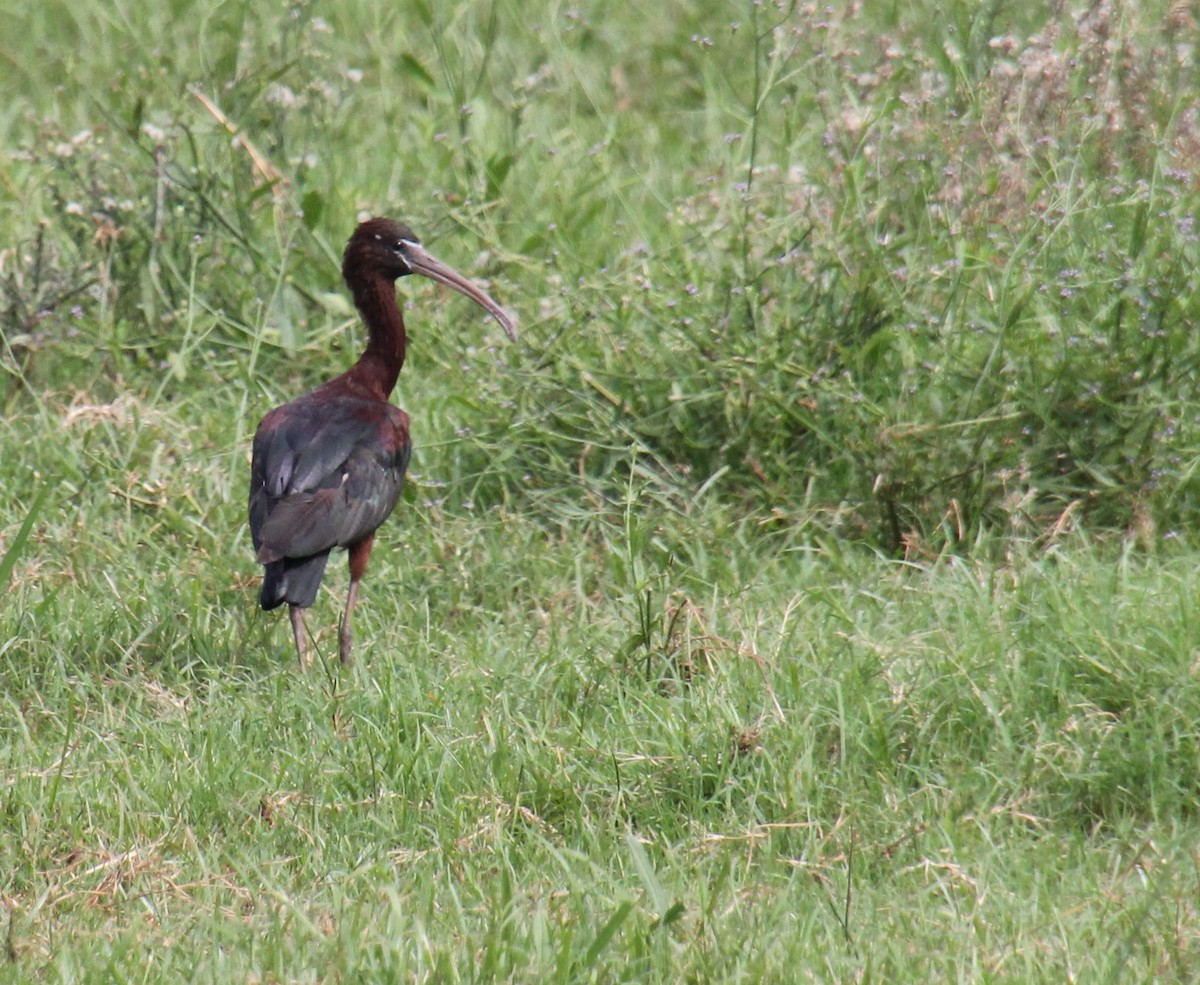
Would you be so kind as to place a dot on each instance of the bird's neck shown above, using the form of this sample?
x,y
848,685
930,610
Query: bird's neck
x,y
379,366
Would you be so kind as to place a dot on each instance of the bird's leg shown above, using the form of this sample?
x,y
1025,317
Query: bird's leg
x,y
358,566
296,614
345,639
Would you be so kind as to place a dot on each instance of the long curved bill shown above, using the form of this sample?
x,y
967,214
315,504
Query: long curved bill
x,y
423,263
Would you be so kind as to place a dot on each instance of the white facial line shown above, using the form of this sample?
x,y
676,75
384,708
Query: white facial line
x,y
400,250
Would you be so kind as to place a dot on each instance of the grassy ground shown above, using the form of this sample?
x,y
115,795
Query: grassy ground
x,y
806,597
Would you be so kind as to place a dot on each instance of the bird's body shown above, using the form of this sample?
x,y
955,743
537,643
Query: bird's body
x,y
326,473
327,468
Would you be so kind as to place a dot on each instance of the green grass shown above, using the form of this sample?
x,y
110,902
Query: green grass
x,y
808,596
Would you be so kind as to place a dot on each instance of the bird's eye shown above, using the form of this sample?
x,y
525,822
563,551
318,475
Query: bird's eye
x,y
401,249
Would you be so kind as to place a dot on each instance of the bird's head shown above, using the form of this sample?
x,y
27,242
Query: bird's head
x,y
390,249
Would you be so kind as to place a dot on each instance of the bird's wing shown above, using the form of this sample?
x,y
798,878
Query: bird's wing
x,y
324,476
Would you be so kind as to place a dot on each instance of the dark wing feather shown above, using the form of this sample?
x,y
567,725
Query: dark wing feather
x,y
324,474
367,487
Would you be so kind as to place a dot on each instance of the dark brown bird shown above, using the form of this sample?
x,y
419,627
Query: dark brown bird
x,y
328,467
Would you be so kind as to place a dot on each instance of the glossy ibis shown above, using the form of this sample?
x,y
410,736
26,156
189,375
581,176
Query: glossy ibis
x,y
328,467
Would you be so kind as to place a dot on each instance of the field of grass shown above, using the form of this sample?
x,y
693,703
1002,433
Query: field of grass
x,y
807,596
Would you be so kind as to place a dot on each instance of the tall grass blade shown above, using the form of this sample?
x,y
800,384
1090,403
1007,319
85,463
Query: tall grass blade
x,y
15,549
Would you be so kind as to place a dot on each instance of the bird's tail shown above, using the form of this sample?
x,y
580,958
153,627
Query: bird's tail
x,y
292,580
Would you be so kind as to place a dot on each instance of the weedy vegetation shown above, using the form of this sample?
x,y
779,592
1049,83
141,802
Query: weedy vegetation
x,y
808,596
